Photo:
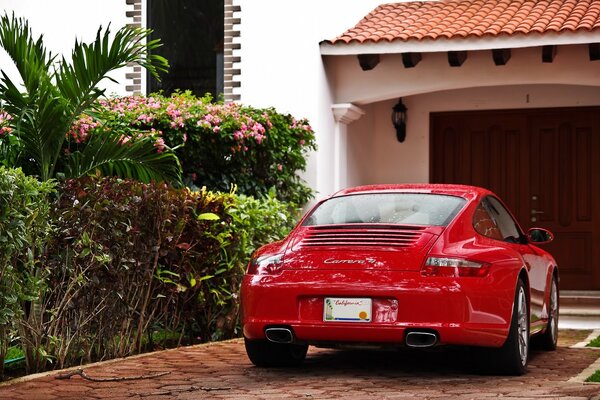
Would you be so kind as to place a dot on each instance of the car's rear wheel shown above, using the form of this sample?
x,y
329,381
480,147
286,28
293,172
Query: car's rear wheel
x,y
512,357
264,353
549,338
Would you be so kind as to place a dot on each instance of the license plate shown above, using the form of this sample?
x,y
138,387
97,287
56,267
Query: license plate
x,y
342,309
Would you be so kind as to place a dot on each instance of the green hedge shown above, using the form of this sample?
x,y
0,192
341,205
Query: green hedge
x,y
129,260
24,229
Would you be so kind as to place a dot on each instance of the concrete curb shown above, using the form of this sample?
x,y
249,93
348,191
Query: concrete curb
x,y
595,366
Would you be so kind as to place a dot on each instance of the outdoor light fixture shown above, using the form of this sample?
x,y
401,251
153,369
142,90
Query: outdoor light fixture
x,y
399,120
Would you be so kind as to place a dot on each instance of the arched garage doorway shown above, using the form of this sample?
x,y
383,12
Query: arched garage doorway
x,y
545,163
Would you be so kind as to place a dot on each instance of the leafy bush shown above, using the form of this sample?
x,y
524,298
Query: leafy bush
x,y
130,259
55,91
218,145
24,229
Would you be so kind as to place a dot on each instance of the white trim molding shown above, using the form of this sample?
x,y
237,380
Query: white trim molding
x,y
344,114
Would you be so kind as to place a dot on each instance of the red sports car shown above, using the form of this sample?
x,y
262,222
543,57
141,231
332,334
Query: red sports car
x,y
407,265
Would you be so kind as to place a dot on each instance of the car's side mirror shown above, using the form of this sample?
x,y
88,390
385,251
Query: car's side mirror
x,y
539,235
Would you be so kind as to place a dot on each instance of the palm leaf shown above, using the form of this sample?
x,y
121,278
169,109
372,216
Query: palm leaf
x,y
91,63
39,118
55,96
138,159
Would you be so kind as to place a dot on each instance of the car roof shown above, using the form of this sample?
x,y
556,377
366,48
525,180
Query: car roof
x,y
465,191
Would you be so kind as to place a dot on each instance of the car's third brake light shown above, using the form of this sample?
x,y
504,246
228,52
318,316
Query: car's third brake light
x,y
454,267
266,265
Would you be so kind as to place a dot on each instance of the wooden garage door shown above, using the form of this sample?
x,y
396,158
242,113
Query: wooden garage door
x,y
544,163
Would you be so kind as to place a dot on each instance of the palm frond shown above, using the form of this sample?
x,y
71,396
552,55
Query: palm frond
x,y
38,112
29,55
55,95
138,159
91,63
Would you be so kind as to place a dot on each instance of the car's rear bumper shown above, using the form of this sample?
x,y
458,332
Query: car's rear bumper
x,y
461,311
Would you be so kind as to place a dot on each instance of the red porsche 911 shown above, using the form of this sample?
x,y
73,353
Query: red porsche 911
x,y
406,265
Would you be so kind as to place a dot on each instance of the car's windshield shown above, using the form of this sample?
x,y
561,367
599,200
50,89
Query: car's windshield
x,y
387,208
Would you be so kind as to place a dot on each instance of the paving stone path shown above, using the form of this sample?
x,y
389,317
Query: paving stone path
x,y
222,371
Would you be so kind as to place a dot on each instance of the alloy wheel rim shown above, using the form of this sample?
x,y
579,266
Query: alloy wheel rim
x,y
523,326
553,311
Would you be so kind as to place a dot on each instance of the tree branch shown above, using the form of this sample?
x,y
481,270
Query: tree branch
x,y
84,375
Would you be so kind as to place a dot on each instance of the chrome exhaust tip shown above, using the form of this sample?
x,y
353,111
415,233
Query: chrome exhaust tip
x,y
421,339
279,335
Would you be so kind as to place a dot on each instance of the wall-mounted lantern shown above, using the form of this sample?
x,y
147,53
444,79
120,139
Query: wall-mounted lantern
x,y
399,120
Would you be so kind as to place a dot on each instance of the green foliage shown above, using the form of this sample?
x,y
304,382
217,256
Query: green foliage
x,y
24,227
594,343
595,377
260,221
57,91
130,259
218,145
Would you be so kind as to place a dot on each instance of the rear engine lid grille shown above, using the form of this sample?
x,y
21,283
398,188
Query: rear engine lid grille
x,y
372,235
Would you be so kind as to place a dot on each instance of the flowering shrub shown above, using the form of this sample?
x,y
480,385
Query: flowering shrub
x,y
9,144
218,145
4,128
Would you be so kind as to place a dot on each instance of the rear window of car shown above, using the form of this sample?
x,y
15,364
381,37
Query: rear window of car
x,y
387,208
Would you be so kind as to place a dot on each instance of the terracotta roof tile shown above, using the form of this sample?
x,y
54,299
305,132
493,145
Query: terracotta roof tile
x,y
419,20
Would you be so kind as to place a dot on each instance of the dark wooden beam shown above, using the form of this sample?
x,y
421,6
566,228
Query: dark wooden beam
x,y
456,58
410,60
501,56
368,61
548,53
594,51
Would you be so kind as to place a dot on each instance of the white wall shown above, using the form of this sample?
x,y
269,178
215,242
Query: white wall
x,y
63,21
282,66
379,158
524,82
390,79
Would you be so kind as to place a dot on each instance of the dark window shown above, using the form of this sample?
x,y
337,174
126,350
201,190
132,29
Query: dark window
x,y
192,35
506,224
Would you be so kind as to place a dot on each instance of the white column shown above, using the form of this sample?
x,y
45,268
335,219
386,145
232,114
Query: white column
x,y
344,114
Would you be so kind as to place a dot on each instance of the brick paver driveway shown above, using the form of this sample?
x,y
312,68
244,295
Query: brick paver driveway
x,y
222,371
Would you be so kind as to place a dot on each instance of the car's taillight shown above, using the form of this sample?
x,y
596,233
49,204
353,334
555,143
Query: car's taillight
x,y
266,265
454,267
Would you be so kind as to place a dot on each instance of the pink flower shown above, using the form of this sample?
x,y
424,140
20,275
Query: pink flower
x,y
238,135
160,145
279,167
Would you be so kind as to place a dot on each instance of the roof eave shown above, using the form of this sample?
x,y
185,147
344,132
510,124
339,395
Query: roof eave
x,y
461,44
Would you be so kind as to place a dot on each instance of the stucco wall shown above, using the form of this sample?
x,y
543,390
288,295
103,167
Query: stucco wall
x,y
390,79
281,65
63,21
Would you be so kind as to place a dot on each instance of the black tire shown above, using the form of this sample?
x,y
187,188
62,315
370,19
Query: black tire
x,y
512,357
264,353
549,339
